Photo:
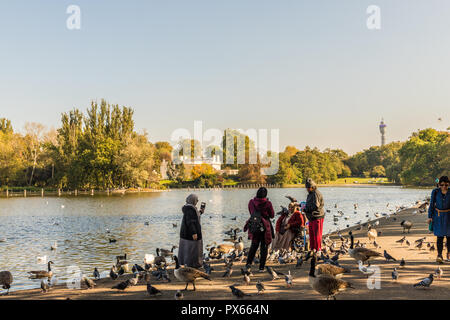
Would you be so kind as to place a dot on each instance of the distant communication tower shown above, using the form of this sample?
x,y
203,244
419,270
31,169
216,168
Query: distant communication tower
x,y
383,131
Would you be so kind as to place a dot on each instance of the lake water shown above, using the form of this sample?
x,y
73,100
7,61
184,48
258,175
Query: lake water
x,y
79,224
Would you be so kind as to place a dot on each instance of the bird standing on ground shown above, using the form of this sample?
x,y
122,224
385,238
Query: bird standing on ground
x,y
260,287
152,291
288,279
439,273
113,274
395,274
402,263
188,274
360,253
89,283
406,225
6,280
425,283
96,274
179,295
237,293
122,285
272,272
388,256
44,286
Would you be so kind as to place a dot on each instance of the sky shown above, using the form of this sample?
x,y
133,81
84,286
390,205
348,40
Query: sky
x,y
311,69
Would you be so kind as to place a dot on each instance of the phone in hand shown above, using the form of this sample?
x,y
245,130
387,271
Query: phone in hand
x,y
202,207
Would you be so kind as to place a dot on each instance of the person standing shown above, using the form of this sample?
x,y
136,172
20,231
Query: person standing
x,y
315,213
190,251
262,238
438,215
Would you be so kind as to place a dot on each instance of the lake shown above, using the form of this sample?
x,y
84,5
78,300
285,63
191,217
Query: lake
x,y
79,224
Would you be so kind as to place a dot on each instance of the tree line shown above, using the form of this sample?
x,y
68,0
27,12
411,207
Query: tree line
x,y
101,149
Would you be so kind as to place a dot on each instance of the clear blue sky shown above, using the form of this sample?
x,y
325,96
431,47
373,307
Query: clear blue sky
x,y
309,68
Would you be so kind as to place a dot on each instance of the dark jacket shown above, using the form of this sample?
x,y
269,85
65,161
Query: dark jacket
x,y
441,221
190,224
314,206
264,206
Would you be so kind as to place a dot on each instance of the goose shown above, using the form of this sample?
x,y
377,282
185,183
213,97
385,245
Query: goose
x,y
113,274
361,253
239,246
332,270
159,259
6,280
188,274
44,286
42,273
326,284
165,252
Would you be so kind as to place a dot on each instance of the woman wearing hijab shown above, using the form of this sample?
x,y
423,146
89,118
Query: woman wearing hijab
x,y
262,238
190,251
438,215
287,227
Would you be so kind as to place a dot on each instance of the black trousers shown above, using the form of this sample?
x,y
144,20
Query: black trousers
x,y
440,244
258,240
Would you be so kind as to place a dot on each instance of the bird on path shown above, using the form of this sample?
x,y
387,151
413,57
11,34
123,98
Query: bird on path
x,y
44,286
407,243
179,295
247,279
260,287
288,279
89,283
122,285
152,291
401,240
395,274
426,282
228,272
272,272
113,274
96,274
237,293
438,273
402,263
388,256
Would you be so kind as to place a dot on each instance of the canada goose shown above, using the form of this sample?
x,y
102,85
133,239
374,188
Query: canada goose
x,y
165,252
332,270
6,280
372,234
325,284
42,273
122,257
188,274
113,274
406,225
89,283
158,260
360,253
239,246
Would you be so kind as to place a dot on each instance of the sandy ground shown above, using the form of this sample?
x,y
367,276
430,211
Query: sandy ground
x,y
419,263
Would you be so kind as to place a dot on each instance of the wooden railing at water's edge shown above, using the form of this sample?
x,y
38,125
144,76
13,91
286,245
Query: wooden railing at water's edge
x,y
92,192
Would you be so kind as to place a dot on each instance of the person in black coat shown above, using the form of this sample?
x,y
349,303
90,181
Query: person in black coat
x,y
190,251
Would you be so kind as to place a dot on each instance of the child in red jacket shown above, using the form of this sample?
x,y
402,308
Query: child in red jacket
x,y
287,227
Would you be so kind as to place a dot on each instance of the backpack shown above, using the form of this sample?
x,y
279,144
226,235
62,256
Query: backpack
x,y
255,223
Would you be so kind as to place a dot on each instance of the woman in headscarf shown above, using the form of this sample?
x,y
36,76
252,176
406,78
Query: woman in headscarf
x,y
190,251
438,215
287,227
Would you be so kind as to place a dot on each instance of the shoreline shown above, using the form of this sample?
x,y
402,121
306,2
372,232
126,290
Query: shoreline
x,y
419,263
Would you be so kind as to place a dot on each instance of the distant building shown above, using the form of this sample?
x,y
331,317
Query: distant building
x,y
382,127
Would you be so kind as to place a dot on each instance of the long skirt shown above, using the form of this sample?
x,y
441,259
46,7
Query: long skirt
x,y
190,253
283,241
315,234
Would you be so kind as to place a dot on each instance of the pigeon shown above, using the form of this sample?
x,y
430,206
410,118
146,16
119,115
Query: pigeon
x,y
388,256
179,295
432,248
299,262
207,268
438,273
138,268
272,272
134,281
238,293
402,263
112,240
89,283
228,272
247,279
288,279
367,271
420,240
122,285
112,274
425,283
395,274
419,245
281,260
401,240
96,274
44,286
407,243
152,291
260,287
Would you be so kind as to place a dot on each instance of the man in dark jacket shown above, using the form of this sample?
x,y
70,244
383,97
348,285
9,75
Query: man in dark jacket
x,y
315,213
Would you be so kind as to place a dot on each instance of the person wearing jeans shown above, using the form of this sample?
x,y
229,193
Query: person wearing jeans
x,y
261,239
438,215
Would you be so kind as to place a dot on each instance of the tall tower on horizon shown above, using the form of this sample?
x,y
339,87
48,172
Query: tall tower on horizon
x,y
382,127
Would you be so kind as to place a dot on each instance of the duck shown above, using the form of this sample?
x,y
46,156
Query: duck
x,y
42,273
6,279
360,253
325,284
188,274
332,270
